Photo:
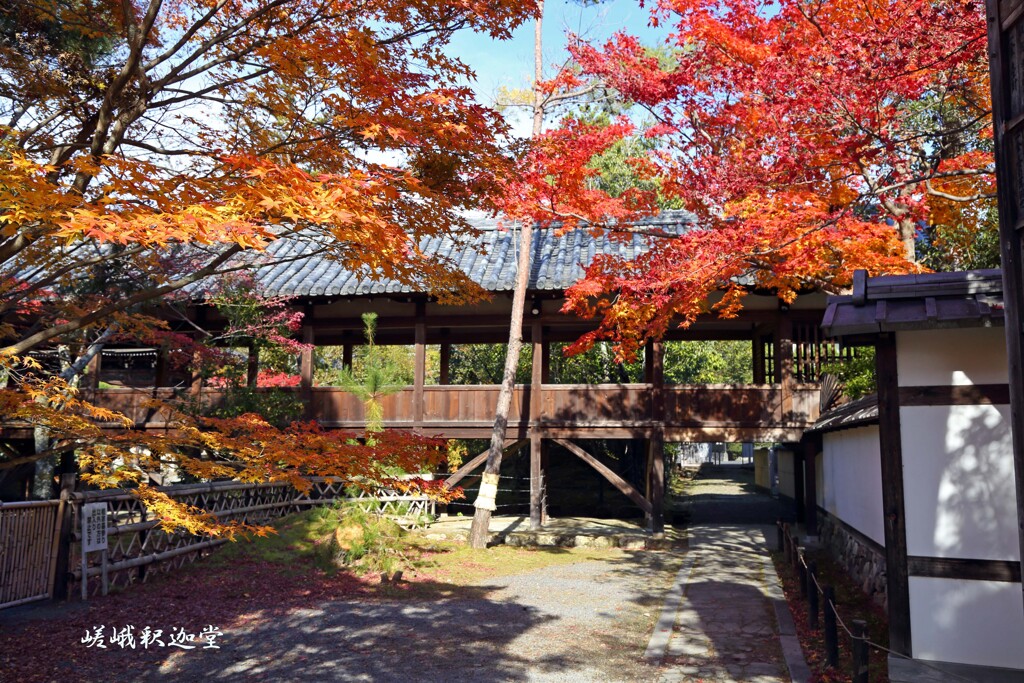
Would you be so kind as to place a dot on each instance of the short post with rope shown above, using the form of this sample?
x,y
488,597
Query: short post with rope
x,y
859,638
831,632
801,572
780,540
812,595
788,542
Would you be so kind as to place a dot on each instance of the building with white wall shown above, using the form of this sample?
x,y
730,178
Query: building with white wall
x,y
930,481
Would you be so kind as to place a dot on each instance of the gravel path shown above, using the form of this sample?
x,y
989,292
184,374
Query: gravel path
x,y
588,621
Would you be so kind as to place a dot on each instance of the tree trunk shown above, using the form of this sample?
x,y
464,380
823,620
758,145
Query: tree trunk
x,y
42,480
908,235
488,486
485,500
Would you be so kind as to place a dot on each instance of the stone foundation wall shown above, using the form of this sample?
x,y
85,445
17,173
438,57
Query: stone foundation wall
x,y
863,559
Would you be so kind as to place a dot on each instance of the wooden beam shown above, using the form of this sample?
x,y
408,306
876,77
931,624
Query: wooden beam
x,y
969,570
618,482
479,460
1005,57
891,445
966,395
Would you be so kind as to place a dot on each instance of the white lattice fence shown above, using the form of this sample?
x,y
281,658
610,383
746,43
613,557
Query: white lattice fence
x,y
137,549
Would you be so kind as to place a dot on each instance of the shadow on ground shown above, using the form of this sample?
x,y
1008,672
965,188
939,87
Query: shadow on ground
x,y
726,494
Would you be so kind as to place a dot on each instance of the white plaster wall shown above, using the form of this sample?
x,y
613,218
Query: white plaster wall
x,y
852,480
946,357
958,482
787,467
972,622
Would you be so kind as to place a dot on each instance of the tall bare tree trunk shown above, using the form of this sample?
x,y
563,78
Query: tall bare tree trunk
x,y
485,500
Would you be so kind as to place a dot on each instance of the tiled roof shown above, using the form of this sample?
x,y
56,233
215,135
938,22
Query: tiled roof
x,y
914,302
863,411
489,259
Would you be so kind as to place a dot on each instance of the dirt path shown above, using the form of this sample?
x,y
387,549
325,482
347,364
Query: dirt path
x,y
582,621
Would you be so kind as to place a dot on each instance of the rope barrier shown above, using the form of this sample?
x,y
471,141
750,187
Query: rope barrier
x,y
867,641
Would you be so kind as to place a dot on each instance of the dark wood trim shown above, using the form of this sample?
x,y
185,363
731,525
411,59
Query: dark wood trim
x,y
1010,189
618,482
891,446
976,394
957,568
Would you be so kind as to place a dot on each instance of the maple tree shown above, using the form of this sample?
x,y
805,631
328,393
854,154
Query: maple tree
x,y
809,138
147,145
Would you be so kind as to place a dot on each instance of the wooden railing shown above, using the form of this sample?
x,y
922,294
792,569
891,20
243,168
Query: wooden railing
x,y
685,406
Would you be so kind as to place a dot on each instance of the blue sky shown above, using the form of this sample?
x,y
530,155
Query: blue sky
x,y
510,63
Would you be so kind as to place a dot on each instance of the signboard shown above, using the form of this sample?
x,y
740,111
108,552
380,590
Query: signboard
x,y
94,527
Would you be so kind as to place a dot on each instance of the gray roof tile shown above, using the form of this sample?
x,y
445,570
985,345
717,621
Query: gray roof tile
x,y
911,302
489,259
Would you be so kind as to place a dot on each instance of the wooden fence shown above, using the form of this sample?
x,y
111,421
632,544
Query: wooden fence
x,y
28,550
32,533
137,549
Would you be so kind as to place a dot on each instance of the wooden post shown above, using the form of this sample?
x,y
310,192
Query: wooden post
x,y
536,394
420,359
811,446
831,630
66,513
859,648
162,369
545,445
446,361
784,364
306,370
252,368
656,444
1005,58
779,542
891,446
812,595
536,482
757,355
346,355
801,572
